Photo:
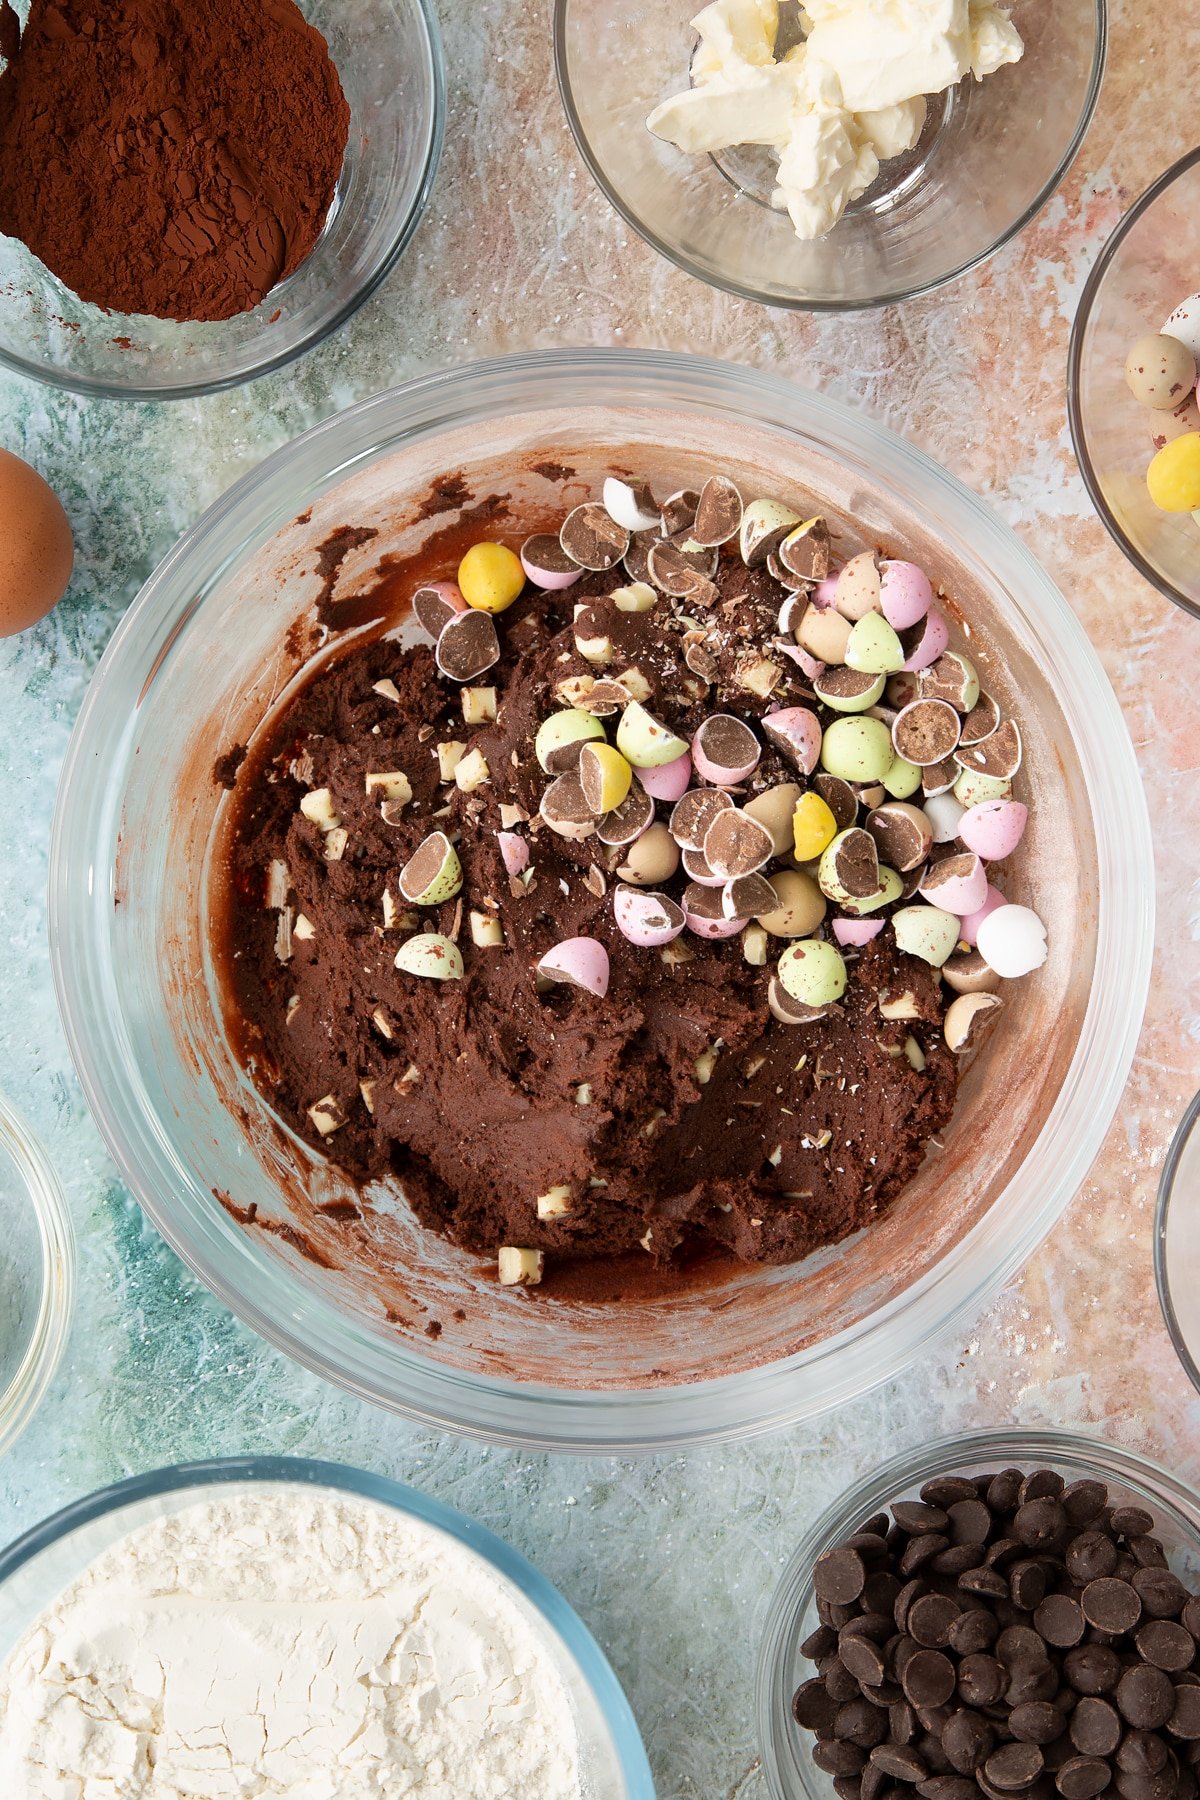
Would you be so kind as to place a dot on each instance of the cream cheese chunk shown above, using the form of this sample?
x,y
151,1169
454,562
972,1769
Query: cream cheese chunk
x,y
850,97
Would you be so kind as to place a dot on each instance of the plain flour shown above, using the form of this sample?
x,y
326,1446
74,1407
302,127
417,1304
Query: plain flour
x,y
285,1643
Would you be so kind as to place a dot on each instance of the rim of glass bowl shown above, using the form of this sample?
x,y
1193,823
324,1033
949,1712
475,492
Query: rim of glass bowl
x,y
1083,314
53,376
564,1622
798,303
307,1327
1095,1455
43,1353
1189,1123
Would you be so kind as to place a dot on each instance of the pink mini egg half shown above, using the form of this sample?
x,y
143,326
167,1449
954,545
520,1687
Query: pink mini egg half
x,y
959,894
670,781
581,962
905,594
514,851
646,919
994,828
824,595
969,926
714,928
549,580
932,641
811,666
856,932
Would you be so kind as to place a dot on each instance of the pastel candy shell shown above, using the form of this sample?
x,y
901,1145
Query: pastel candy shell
x,y
961,893
856,932
813,972
858,587
669,781
646,919
905,594
797,732
874,647
1184,324
1012,941
581,962
928,932
968,928
514,852
431,955
644,742
724,726
812,666
714,928
549,580
932,641
824,595
993,829
622,504
945,812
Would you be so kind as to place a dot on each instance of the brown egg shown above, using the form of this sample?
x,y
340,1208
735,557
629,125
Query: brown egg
x,y
36,547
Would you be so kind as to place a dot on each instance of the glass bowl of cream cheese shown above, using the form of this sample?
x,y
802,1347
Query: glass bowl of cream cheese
x,y
845,154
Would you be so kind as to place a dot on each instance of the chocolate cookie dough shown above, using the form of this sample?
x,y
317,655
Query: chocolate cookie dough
x,y
681,1097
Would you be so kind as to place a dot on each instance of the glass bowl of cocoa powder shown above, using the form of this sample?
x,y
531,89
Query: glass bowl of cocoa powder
x,y
252,244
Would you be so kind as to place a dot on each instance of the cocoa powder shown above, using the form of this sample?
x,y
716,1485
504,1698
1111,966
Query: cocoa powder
x,y
170,157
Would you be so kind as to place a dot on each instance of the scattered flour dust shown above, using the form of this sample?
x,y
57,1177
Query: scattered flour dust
x,y
285,1642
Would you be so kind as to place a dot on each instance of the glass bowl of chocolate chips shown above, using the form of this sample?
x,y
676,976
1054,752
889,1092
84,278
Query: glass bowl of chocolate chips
x,y
1004,1613
519,975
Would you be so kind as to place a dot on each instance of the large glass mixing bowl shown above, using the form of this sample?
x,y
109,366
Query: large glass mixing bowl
x,y
219,633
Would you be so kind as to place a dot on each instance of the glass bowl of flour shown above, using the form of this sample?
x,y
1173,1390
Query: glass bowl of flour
x,y
37,1274
928,191
286,1627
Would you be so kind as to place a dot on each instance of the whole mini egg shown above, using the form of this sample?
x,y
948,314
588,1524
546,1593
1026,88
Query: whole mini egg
x,y
1161,372
1184,324
36,547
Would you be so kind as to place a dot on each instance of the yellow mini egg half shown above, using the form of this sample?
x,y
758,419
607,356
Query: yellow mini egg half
x,y
36,547
1174,476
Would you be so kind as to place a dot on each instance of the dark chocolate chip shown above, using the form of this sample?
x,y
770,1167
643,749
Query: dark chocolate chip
x,y
981,1679
1083,1778
1032,1681
838,1758
958,1559
1095,1727
1042,1484
967,1740
948,1787
900,1761
877,1625
1027,1583
1111,1605
1004,1490
917,1517
1148,1553
838,1680
947,1490
839,1576
975,1629
928,1678
1166,1645
1142,1753
819,1643
903,1723
1190,1618
1146,1697
1090,1556
1060,1620
1036,1722
847,1787
1184,1721
813,1707
920,1550
931,1619
984,1581
970,1522
1131,1521
912,1590
1039,1522
881,1591
864,1660
1163,1595
879,1524
1092,1669
1084,1501
1014,1767
1020,1646
861,1723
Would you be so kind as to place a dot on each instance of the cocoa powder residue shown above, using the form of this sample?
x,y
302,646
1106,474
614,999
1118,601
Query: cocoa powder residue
x,y
170,157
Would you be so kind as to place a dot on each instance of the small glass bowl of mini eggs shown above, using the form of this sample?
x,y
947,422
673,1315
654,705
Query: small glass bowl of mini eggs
x,y
1134,412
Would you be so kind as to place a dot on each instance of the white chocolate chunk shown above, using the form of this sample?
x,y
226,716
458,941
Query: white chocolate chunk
x,y
479,705
304,927
486,930
328,1115
387,690
317,805
519,1268
389,784
449,756
278,882
554,1202
471,771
